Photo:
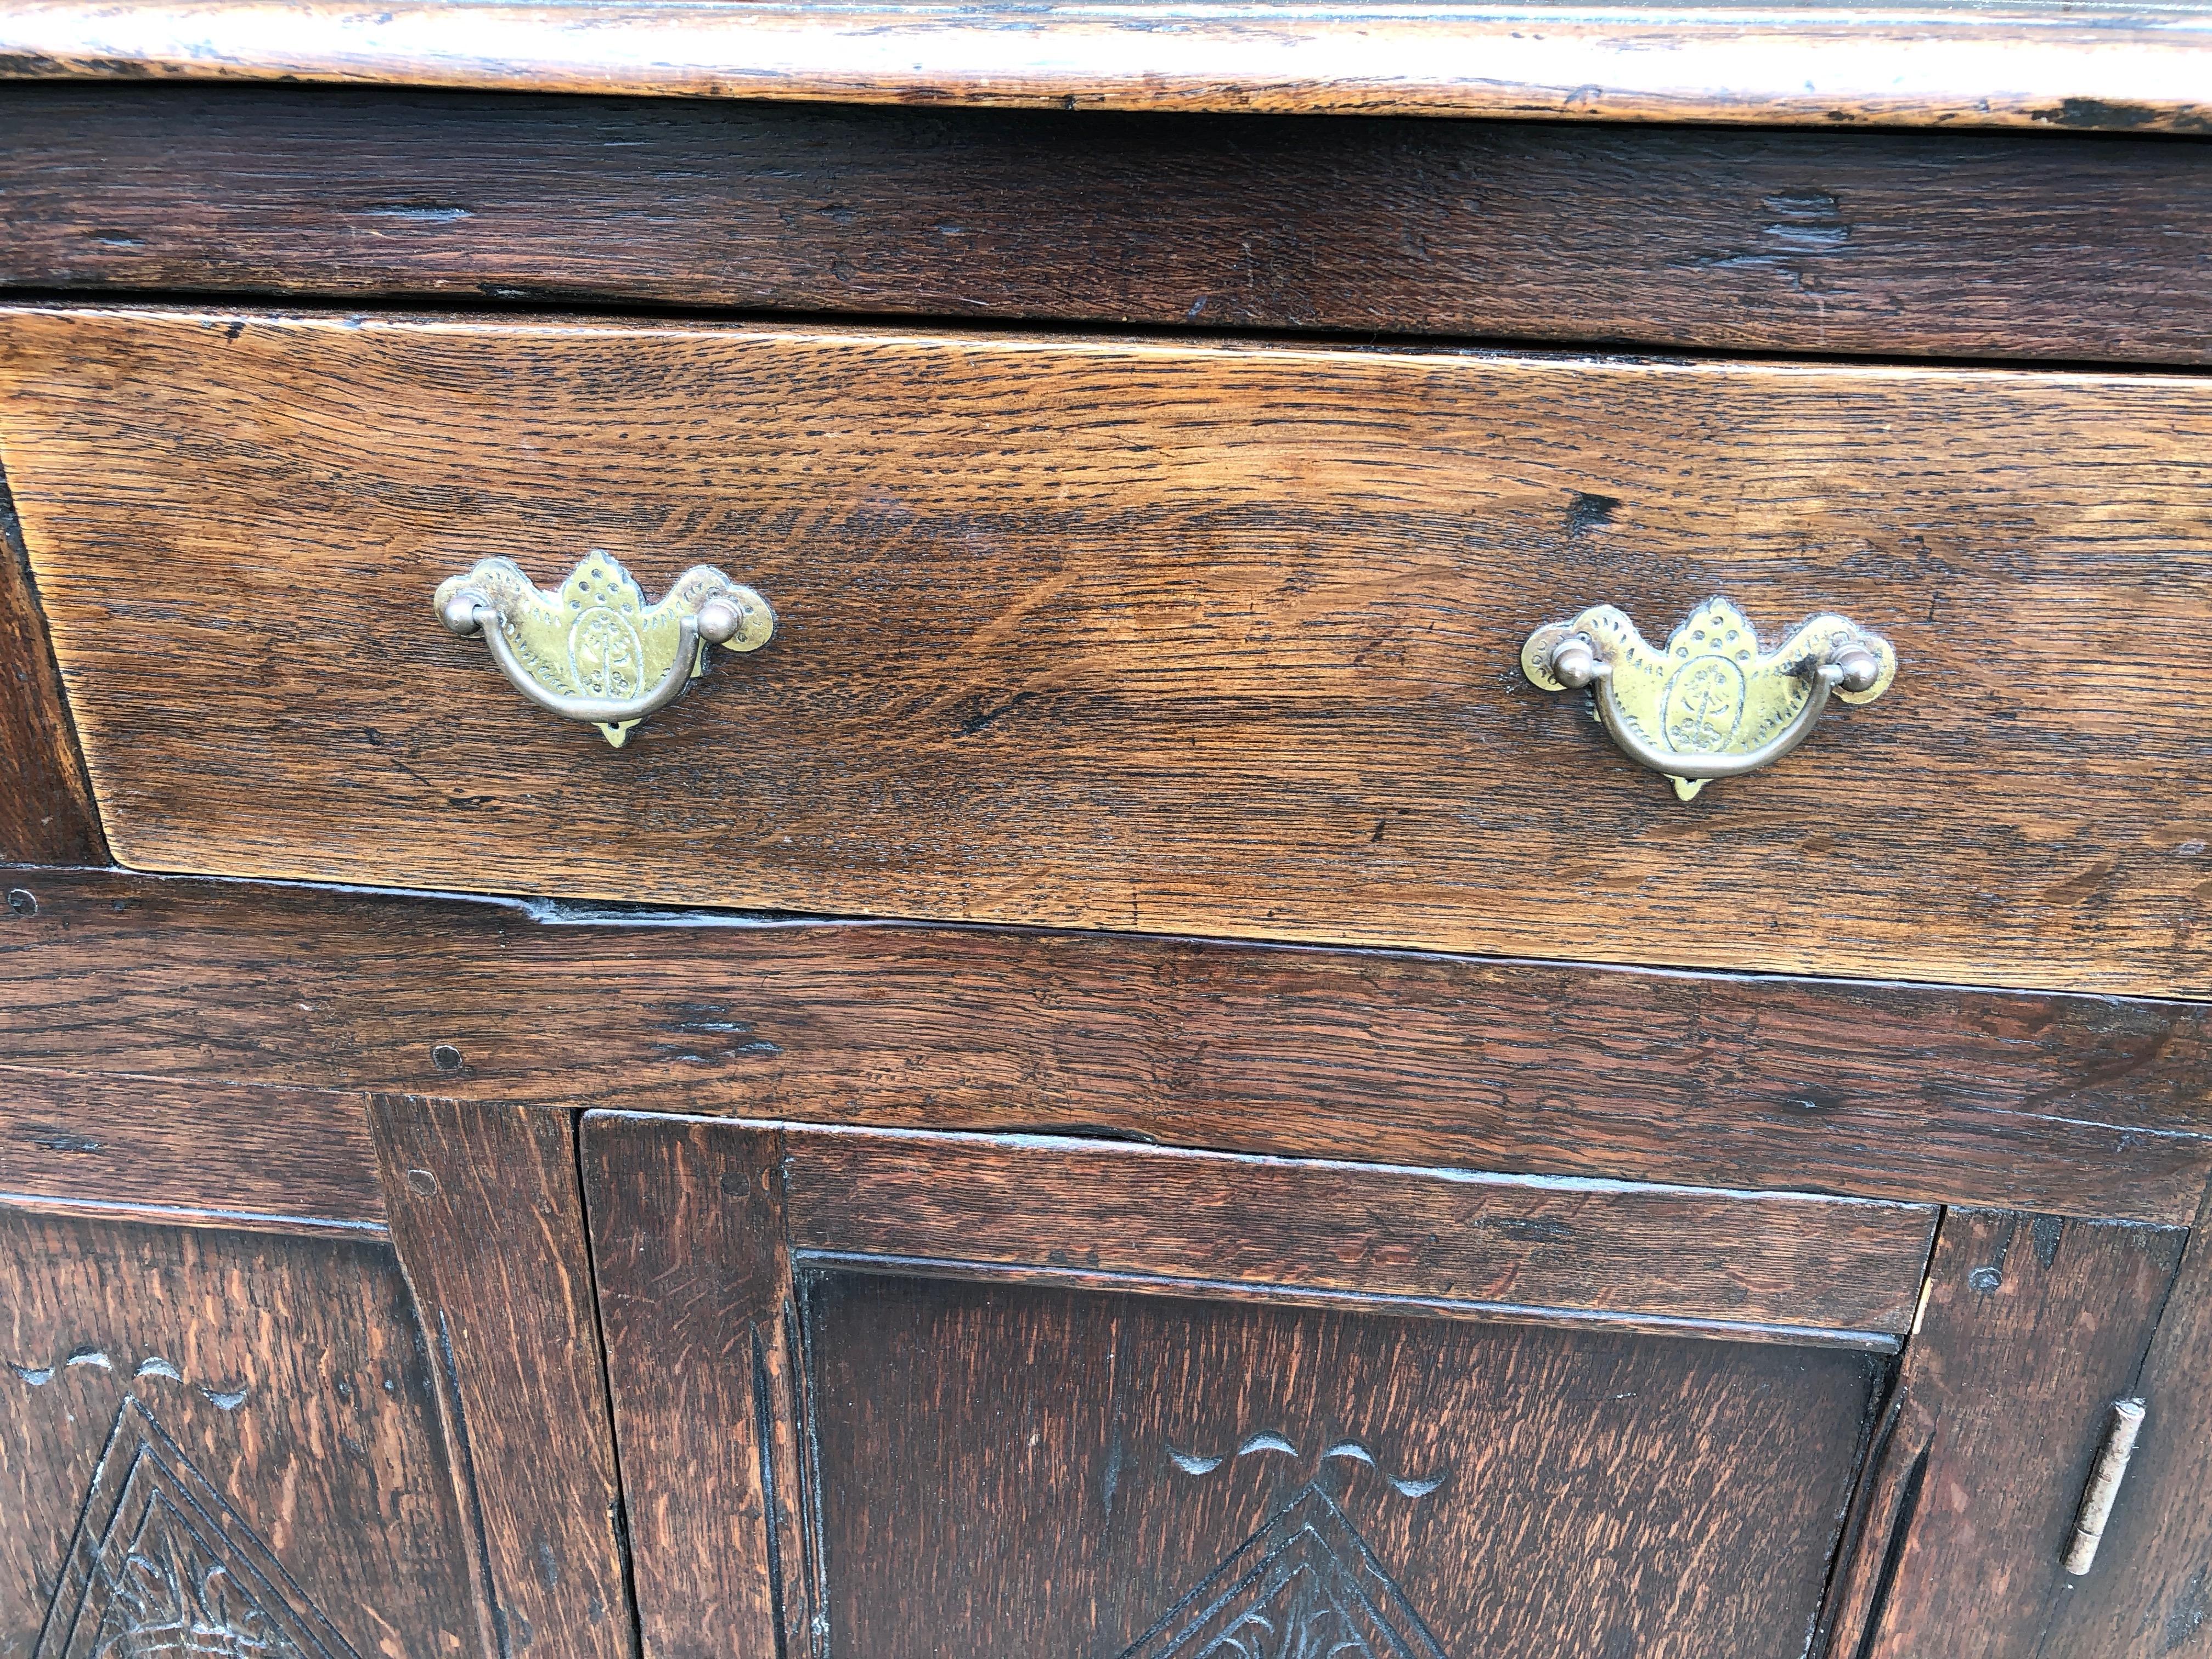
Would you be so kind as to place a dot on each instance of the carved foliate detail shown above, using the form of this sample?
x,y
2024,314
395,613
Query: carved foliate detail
x,y
1305,1586
163,1567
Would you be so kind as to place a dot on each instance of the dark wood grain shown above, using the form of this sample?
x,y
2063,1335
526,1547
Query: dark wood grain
x,y
1158,638
46,813
1952,243
1594,1495
234,1157
2088,1106
2032,1327
695,1304
2149,1594
1007,1469
2118,65
286,1374
488,1221
1450,1240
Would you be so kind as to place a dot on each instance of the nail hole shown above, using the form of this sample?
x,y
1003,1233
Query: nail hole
x,y
20,901
423,1182
445,1057
1985,1280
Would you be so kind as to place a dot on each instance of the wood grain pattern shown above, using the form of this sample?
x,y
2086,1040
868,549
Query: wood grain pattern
x,y
234,1157
1592,1494
46,813
1449,1240
1152,637
488,1221
2122,66
1958,245
695,1304
2033,1326
2149,1595
286,1372
2083,1106
1005,1469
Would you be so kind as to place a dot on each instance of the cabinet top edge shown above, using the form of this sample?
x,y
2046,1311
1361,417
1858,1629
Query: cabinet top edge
x,y
2098,66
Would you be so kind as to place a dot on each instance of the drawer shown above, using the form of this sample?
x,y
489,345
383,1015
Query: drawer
x,y
1218,639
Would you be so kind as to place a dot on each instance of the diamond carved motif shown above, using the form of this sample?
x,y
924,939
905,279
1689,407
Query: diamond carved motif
x,y
1305,1586
163,1567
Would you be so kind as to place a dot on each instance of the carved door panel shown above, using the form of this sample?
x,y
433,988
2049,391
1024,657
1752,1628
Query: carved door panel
x,y
220,1441
297,1375
891,1396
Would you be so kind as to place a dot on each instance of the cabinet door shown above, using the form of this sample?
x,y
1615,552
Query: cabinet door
x,y
257,1399
896,1395
220,1426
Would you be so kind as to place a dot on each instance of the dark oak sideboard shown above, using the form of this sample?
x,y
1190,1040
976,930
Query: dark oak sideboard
x,y
1101,1033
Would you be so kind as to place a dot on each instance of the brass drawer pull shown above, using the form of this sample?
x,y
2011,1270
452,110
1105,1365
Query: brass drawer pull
x,y
595,650
1712,703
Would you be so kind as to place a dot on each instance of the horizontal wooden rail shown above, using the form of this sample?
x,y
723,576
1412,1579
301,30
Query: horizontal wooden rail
x,y
1949,64
1772,1266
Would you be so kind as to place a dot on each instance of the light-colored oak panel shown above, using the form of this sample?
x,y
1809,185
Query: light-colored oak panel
x,y
2108,64
1171,638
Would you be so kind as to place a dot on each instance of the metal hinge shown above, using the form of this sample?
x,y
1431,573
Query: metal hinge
x,y
2104,1477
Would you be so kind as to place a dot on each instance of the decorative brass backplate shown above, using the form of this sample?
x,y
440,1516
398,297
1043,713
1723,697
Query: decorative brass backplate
x,y
1712,702
595,650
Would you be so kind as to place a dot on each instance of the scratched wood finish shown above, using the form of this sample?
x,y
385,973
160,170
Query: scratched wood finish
x,y
488,1220
1957,245
2121,65
2088,1106
277,1383
2149,1594
1000,1468
1177,638
2033,1326
242,1157
46,813
1446,1239
702,1342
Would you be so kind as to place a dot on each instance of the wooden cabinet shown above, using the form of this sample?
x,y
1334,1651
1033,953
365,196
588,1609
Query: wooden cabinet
x,y
1142,1081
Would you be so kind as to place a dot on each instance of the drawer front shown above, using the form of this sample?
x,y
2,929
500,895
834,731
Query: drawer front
x,y
1198,639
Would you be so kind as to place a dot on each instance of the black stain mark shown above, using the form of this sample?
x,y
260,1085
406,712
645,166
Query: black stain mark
x,y
1587,512
2046,1230
60,1140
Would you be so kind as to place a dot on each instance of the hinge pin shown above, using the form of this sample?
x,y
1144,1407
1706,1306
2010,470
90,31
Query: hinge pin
x,y
2104,1488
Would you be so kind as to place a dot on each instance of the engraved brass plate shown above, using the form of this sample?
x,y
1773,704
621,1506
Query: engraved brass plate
x,y
595,650
1712,702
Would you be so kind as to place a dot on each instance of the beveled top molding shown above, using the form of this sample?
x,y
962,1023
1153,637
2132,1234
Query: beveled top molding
x,y
2137,68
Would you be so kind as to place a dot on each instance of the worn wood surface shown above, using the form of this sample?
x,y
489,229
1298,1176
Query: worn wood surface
x,y
1017,1468
2149,1594
695,1302
1154,637
2091,1106
1489,1490
1958,244
46,813
2116,65
274,1464
488,1220
2033,1326
1447,1239
233,1157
